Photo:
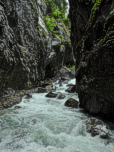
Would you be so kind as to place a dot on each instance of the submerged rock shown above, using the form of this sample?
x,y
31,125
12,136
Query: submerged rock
x,y
70,84
42,90
28,96
17,107
51,95
65,78
61,96
71,103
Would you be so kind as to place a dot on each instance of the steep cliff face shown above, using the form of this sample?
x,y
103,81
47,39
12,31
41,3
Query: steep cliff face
x,y
92,32
26,47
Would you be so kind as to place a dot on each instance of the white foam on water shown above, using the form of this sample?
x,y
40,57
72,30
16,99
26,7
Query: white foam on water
x,y
45,125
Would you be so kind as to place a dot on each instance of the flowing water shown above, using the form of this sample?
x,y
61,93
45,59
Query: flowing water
x,y
45,125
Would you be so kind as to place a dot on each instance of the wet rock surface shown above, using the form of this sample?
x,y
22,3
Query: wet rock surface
x,y
51,95
95,127
28,96
61,96
71,89
17,107
91,38
72,103
70,85
42,90
92,122
99,130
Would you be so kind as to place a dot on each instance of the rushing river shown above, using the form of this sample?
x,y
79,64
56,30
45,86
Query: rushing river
x,y
45,125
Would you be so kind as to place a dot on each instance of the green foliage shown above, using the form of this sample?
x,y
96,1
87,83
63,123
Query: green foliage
x,y
100,40
93,11
71,66
50,22
58,13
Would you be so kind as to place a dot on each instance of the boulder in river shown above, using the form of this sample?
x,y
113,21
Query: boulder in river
x,y
95,127
92,122
71,103
28,96
65,78
17,107
71,89
99,130
42,90
61,96
51,95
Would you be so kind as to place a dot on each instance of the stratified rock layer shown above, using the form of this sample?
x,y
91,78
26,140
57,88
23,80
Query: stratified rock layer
x,y
92,36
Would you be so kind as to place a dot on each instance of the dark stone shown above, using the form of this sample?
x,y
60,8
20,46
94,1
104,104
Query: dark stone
x,y
51,95
71,89
61,96
99,130
95,127
34,121
90,123
70,85
65,78
17,107
28,96
42,90
71,103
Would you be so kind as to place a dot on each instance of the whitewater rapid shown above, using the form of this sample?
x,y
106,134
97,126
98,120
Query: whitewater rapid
x,y
45,125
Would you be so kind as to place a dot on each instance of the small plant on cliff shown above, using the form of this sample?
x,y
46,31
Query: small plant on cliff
x,y
93,11
50,22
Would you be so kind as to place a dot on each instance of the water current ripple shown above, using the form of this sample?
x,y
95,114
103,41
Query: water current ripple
x,y
46,125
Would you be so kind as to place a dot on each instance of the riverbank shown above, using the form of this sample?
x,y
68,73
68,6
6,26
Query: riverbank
x,y
14,97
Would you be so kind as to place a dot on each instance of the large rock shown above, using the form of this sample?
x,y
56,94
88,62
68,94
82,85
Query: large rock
x,y
92,122
65,78
95,127
28,96
42,90
71,89
70,85
61,96
99,130
93,48
71,103
51,95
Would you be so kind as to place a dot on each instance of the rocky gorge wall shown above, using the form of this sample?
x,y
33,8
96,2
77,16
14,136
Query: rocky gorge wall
x,y
26,47
92,36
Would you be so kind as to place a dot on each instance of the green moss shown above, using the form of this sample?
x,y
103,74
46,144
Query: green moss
x,y
93,11
71,66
